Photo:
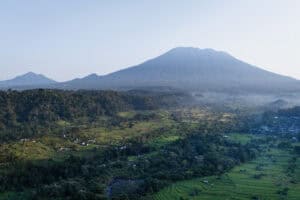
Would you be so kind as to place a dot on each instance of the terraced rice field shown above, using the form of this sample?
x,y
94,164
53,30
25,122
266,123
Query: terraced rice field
x,y
264,178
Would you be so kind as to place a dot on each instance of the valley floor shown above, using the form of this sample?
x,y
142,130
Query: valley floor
x,y
103,152
268,177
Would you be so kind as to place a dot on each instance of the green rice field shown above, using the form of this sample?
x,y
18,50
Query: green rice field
x,y
266,178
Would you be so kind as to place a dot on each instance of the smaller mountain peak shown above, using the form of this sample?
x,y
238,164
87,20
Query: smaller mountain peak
x,y
30,74
28,79
280,101
93,75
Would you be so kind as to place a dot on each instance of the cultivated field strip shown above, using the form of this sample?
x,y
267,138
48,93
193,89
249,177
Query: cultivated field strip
x,y
262,178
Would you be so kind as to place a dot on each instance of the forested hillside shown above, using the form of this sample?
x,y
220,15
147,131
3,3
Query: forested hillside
x,y
283,121
29,112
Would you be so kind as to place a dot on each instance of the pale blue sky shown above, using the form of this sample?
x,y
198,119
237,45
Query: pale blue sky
x,y
64,39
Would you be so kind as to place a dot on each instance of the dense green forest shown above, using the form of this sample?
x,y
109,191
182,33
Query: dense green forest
x,y
31,112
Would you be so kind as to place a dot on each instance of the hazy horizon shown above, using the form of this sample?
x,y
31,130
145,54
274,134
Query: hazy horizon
x,y
65,41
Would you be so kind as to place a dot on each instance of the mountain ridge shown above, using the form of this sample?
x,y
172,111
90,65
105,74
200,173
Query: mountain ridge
x,y
187,68
26,80
191,68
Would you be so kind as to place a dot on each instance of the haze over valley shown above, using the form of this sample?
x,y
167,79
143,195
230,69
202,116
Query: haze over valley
x,y
210,76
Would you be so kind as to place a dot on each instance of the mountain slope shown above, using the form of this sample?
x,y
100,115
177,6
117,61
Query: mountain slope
x,y
29,79
190,68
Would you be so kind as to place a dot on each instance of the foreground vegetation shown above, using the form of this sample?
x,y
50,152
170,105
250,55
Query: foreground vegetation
x,y
275,174
135,145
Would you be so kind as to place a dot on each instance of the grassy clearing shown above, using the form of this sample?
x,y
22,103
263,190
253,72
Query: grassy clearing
x,y
195,115
263,178
63,123
164,140
242,138
27,150
116,135
86,139
43,148
127,115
